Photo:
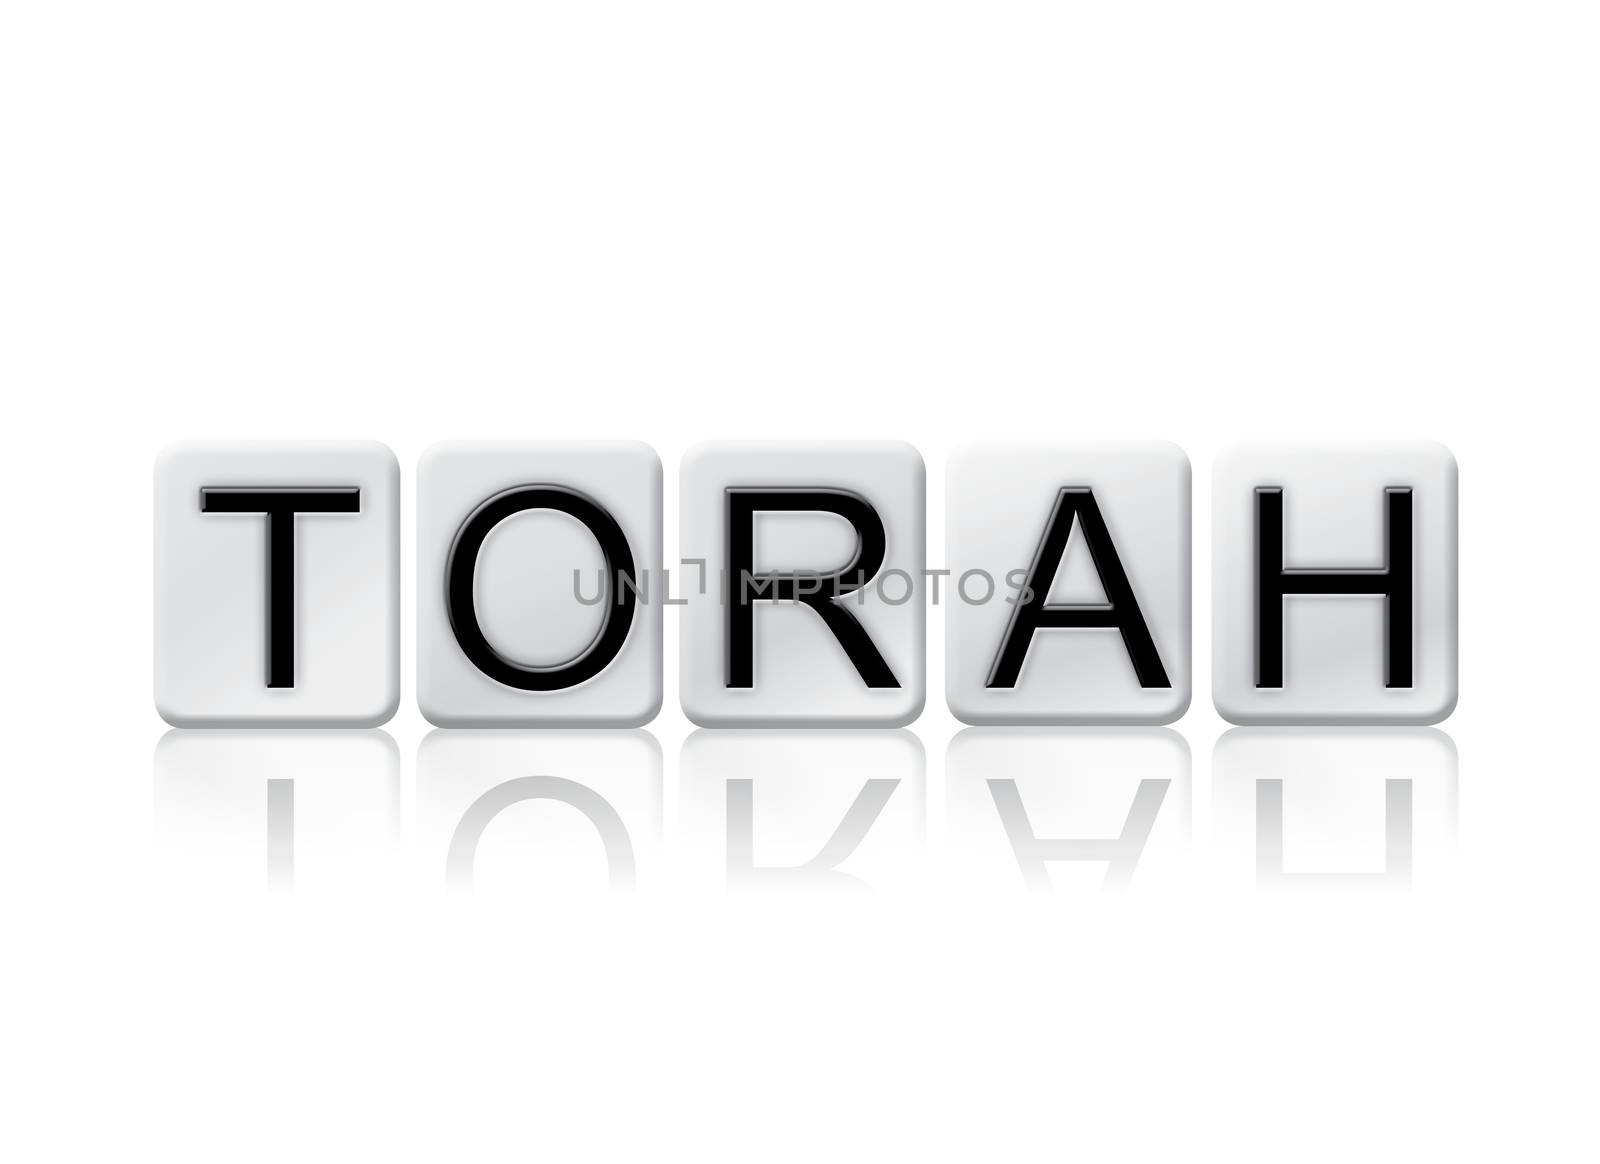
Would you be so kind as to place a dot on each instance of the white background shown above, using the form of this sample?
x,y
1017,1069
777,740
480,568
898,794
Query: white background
x,y
934,222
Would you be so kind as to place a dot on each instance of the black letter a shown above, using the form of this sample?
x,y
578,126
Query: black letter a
x,y
1121,610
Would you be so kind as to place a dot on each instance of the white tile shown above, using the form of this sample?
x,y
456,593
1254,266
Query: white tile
x,y
1126,558
532,638
319,648
1360,657
793,667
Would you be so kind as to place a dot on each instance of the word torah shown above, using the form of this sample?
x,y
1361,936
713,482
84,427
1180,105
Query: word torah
x,y
802,584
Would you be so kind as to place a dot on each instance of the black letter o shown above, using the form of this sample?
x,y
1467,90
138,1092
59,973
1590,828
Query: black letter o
x,y
620,583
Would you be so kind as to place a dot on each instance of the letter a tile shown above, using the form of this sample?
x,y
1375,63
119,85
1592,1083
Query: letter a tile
x,y
1068,595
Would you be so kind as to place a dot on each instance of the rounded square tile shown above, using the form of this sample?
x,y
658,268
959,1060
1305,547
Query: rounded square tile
x,y
1068,600
539,584
1334,585
277,584
827,628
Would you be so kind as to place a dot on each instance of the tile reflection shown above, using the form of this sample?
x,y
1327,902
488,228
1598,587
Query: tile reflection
x,y
810,810
1341,809
559,814
283,809
1052,808
545,812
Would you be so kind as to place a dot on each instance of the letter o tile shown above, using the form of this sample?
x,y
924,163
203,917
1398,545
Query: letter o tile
x,y
539,584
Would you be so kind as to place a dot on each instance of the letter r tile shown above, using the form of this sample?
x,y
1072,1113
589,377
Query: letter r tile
x,y
812,612
277,575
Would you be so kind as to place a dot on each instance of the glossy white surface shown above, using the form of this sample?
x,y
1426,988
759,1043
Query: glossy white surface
x,y
1335,810
998,503
211,588
1333,645
530,604
814,810
539,813
1071,811
801,674
304,812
